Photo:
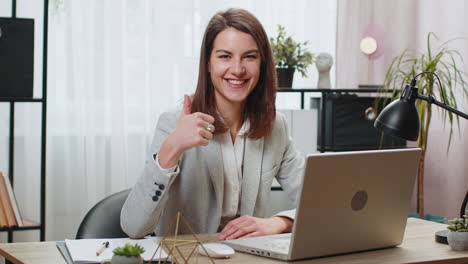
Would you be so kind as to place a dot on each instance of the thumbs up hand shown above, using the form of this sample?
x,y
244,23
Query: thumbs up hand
x,y
192,130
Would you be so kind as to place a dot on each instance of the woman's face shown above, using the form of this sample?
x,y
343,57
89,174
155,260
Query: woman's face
x,y
234,66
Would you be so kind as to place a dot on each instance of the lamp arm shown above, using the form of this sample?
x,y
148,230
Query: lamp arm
x,y
463,207
432,100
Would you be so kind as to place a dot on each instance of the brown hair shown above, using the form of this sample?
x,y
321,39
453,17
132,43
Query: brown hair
x,y
260,107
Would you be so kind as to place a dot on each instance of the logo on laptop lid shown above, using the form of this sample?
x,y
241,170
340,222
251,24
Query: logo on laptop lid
x,y
359,200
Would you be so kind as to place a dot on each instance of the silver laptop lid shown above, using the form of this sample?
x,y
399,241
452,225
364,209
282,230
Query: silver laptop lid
x,y
353,201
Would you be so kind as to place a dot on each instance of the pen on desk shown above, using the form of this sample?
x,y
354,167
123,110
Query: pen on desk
x,y
102,247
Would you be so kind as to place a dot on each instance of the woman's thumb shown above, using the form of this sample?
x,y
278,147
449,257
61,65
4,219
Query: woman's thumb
x,y
187,105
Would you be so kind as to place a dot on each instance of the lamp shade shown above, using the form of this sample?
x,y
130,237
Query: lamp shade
x,y
399,118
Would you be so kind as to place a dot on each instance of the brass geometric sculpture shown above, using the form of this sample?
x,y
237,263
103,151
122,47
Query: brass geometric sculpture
x,y
173,245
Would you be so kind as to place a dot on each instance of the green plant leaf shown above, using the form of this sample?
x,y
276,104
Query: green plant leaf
x,y
444,62
287,53
129,250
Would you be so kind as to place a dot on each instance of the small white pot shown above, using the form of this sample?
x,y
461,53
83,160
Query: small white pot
x,y
116,259
458,240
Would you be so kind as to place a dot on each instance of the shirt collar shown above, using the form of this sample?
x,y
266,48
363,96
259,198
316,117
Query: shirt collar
x,y
245,128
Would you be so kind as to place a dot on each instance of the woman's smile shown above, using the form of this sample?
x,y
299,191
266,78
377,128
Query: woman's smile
x,y
236,83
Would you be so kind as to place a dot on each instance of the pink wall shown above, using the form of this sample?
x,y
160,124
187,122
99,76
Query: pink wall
x,y
405,25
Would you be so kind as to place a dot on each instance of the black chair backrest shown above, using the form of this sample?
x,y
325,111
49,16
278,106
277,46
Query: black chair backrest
x,y
103,220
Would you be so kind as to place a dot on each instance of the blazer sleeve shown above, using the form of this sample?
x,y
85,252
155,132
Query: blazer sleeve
x,y
143,208
291,171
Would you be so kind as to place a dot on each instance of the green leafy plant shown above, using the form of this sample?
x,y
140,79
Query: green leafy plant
x,y
129,250
458,224
445,63
288,53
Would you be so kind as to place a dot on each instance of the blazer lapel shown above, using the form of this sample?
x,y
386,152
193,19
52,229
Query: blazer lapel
x,y
214,162
253,154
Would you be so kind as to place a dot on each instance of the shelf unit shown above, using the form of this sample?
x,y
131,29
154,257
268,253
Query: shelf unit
x,y
11,142
324,93
28,225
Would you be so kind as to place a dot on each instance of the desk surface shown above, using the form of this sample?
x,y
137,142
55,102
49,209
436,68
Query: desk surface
x,y
418,247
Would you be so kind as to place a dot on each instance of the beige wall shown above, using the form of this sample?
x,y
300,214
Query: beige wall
x,y
405,24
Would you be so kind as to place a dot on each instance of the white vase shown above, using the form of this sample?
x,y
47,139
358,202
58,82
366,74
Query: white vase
x,y
458,240
116,259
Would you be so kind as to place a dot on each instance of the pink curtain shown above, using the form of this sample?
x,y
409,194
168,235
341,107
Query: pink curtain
x,y
405,24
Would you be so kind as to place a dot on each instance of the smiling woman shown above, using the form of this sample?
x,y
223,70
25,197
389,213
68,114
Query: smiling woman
x,y
114,67
213,176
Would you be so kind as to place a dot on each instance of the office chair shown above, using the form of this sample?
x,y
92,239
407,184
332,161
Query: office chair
x,y
103,220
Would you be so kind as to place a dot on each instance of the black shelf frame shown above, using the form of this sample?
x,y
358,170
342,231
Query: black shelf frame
x,y
11,142
16,228
21,100
325,91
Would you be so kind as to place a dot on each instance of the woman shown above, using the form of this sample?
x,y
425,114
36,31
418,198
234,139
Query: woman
x,y
214,160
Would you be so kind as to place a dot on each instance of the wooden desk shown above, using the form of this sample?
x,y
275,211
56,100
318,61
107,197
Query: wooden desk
x,y
418,247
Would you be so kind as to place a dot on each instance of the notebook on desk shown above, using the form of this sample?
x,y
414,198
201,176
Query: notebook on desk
x,y
84,250
350,201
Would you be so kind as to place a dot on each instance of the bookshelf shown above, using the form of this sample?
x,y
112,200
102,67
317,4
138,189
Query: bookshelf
x,y
28,225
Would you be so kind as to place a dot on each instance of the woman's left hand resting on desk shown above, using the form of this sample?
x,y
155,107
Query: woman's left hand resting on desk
x,y
249,226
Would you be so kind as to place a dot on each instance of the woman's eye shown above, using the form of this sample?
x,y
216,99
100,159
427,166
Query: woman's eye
x,y
223,56
251,57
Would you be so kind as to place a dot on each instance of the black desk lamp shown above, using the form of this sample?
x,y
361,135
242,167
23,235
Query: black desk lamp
x,y
400,118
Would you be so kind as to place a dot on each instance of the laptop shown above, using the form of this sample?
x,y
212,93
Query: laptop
x,y
350,202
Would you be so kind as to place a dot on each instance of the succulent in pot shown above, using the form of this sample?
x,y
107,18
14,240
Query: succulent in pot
x,y
457,236
128,254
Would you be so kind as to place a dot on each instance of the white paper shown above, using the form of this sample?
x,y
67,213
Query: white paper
x,y
84,250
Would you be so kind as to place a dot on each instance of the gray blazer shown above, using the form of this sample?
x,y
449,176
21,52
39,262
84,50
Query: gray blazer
x,y
196,188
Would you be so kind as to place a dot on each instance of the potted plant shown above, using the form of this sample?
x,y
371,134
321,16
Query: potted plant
x,y
128,254
289,56
445,63
457,236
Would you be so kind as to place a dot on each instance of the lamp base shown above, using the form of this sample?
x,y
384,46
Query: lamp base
x,y
441,237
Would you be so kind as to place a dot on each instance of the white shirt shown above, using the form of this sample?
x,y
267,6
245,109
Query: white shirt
x,y
233,159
